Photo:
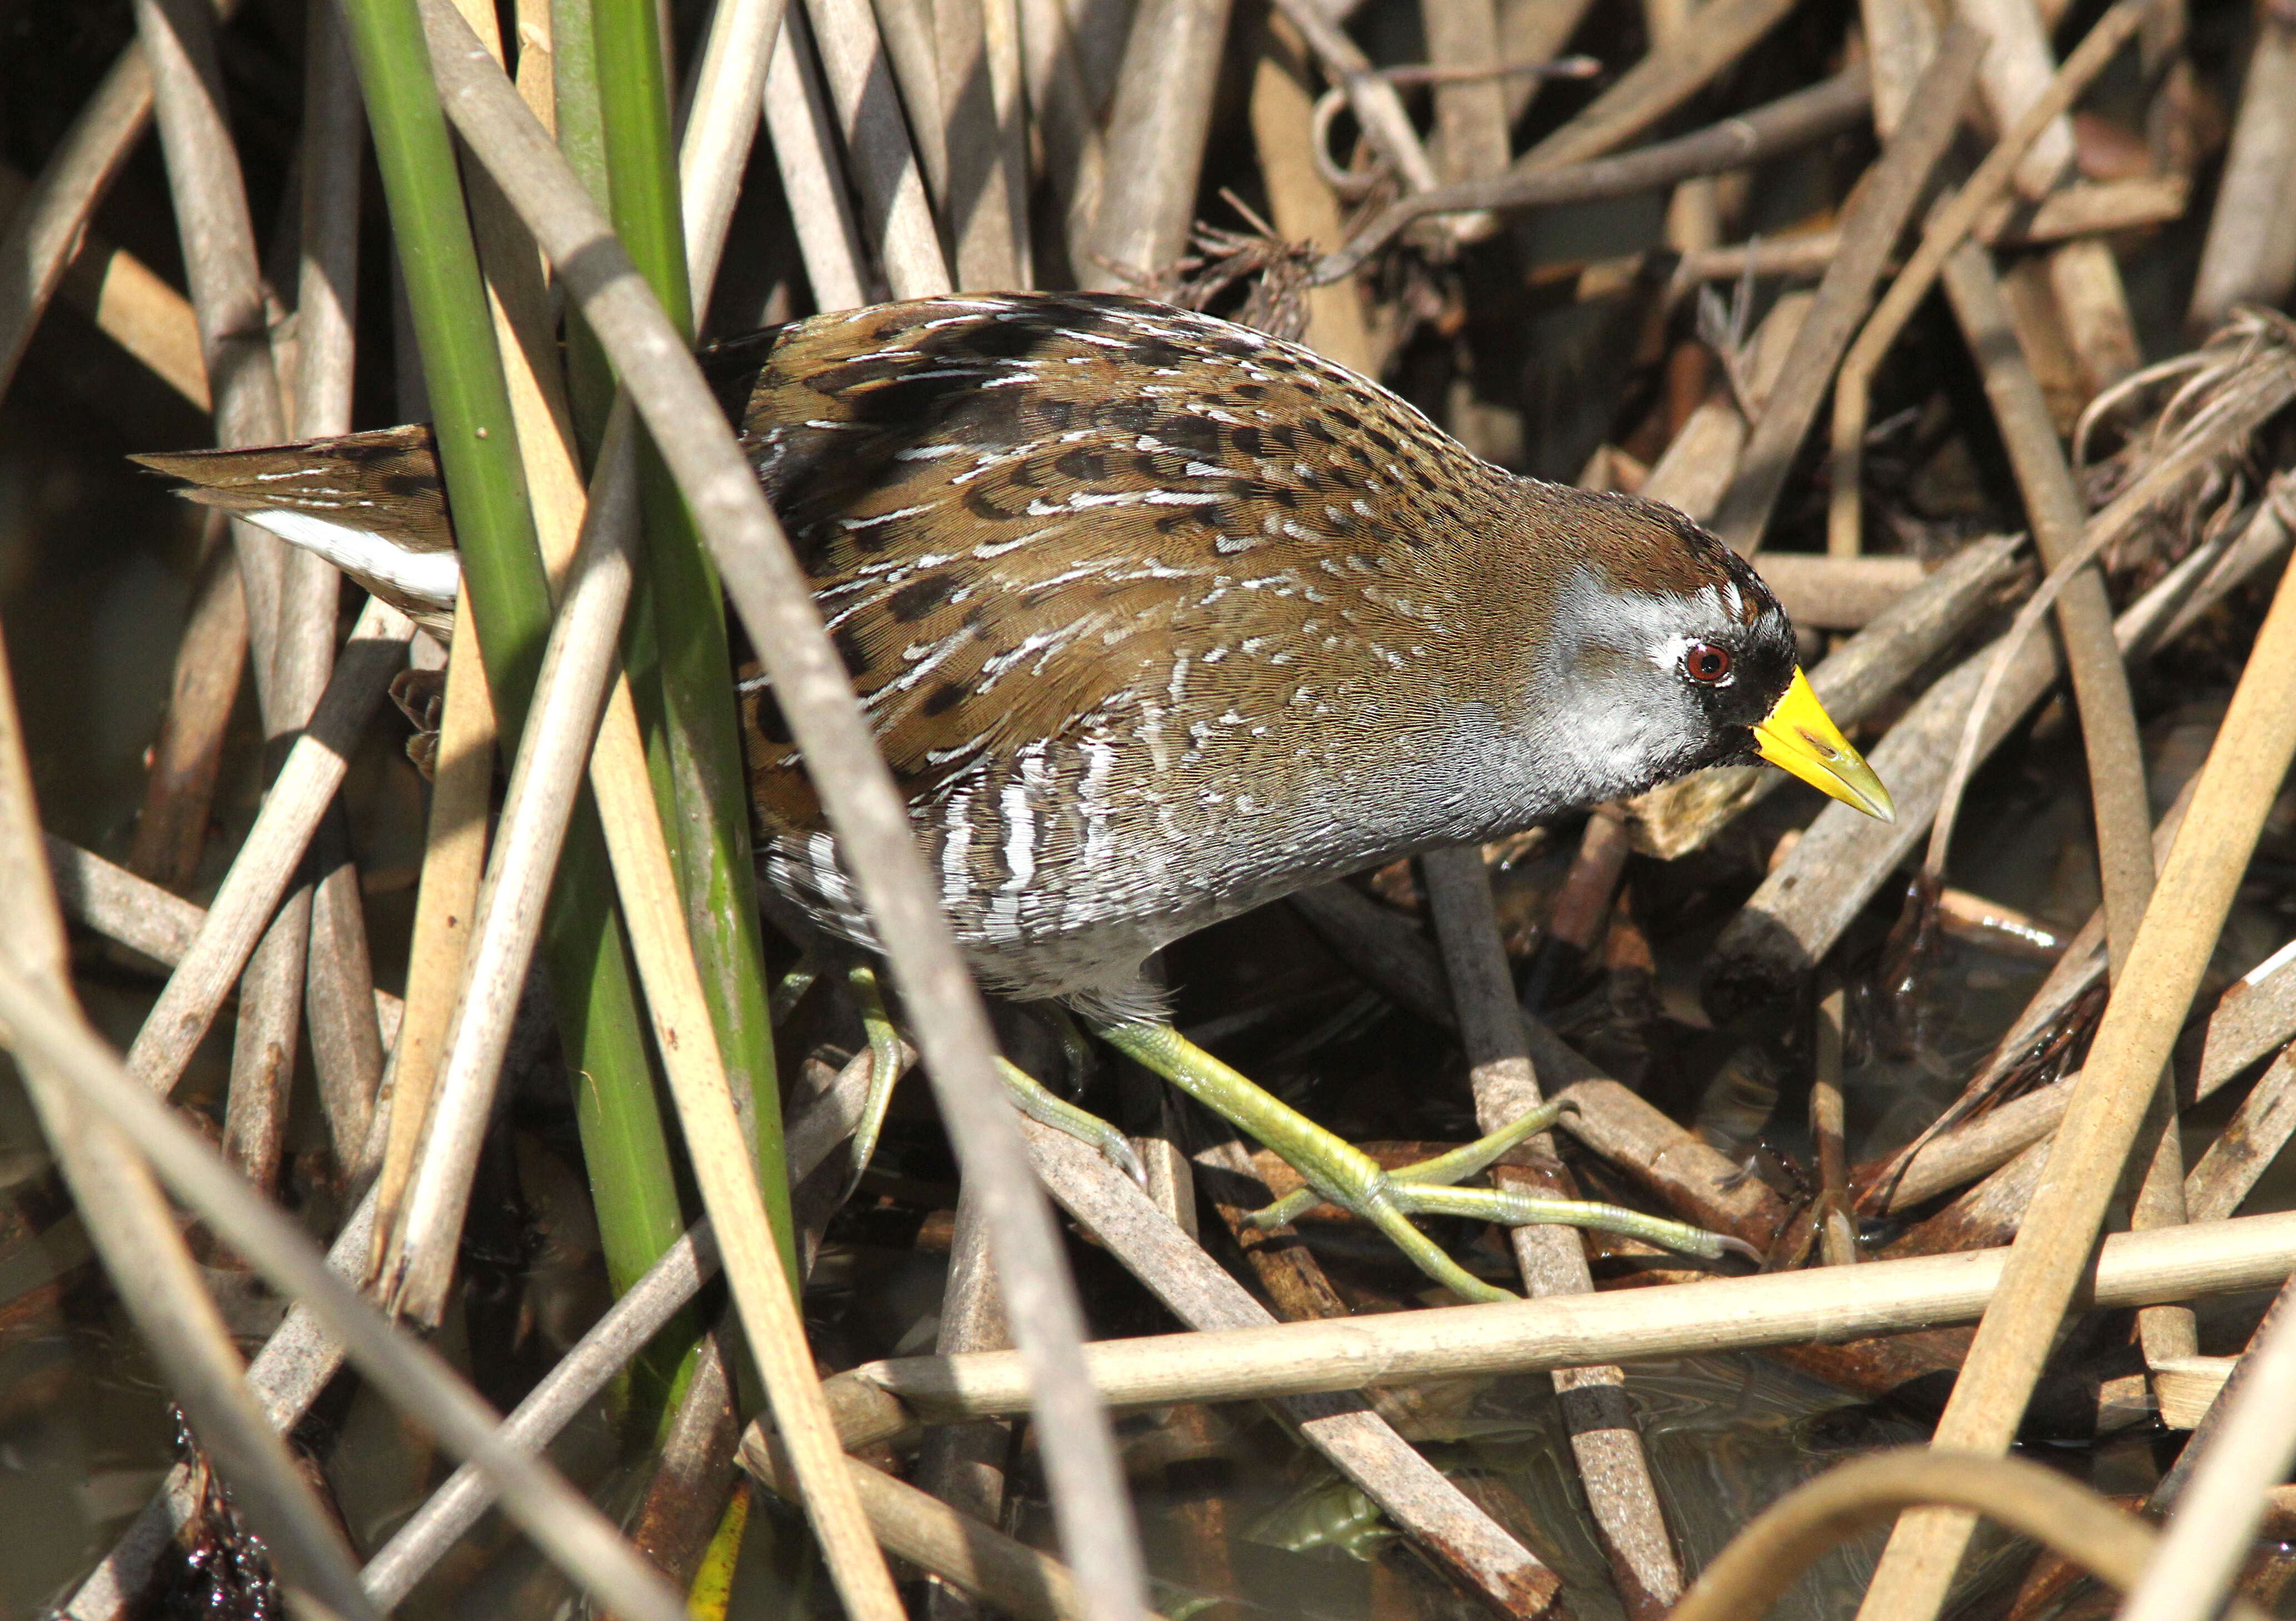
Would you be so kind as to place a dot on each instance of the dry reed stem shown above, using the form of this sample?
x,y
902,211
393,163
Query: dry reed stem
x,y
2152,995
1066,116
2082,275
1657,85
1299,199
1362,1446
1837,1232
1872,220
1749,1576
898,218
128,302
130,1222
864,808
1564,1331
298,965
720,126
418,1260
2251,1141
47,227
1471,115
1008,1574
573,1381
906,32
1605,1440
2249,254
963,1465
982,190
445,901
558,1519
1154,149
226,286
171,826
266,862
1785,125
140,916
797,120
1954,220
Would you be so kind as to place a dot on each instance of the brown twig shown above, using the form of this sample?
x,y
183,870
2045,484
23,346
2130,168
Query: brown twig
x,y
1948,226
1785,125
1872,221
1604,1438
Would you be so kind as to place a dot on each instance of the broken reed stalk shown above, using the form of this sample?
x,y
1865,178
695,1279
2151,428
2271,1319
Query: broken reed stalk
x,y
553,747
1244,1363
1153,151
635,1317
1604,1441
1793,1534
2196,1563
798,119
2152,994
445,901
885,168
1954,221
1872,220
769,592
130,1219
1785,125
266,863
559,1519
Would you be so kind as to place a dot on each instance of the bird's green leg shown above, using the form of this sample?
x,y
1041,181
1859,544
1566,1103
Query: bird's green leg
x,y
792,986
1040,1104
1442,1171
1027,1094
884,1060
1337,1170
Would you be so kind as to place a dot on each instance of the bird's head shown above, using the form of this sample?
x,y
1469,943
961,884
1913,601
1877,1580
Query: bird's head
x,y
1666,653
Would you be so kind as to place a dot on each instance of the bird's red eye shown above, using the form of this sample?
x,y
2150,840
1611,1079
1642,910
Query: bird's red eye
x,y
1706,663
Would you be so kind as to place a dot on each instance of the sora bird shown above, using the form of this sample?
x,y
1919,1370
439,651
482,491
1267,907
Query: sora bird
x,y
1158,618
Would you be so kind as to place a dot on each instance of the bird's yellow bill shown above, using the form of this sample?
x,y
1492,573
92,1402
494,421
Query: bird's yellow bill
x,y
1798,736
